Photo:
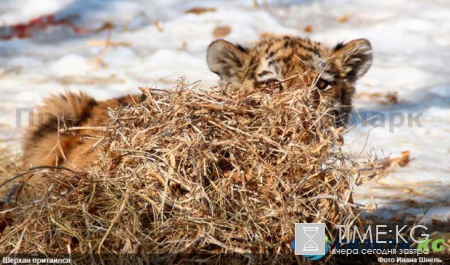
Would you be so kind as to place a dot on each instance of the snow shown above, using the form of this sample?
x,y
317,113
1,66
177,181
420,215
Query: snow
x,y
157,42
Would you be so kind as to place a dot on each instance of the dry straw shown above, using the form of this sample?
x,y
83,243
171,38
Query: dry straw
x,y
213,176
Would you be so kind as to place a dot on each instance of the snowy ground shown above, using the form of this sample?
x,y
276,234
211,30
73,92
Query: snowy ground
x,y
156,41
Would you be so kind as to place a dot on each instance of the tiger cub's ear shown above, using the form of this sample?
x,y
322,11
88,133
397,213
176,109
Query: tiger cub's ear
x,y
227,60
355,58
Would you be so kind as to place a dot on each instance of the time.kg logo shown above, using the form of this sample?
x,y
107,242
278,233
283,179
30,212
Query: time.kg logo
x,y
310,240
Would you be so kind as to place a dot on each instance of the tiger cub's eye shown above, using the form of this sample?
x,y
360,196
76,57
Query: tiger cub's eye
x,y
322,84
272,84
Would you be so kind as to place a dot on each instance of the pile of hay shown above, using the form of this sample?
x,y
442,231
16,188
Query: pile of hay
x,y
214,177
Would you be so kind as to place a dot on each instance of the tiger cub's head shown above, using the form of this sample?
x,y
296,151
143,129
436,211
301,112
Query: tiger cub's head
x,y
275,62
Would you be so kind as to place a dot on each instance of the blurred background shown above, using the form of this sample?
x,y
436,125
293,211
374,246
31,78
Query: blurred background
x,y
109,48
